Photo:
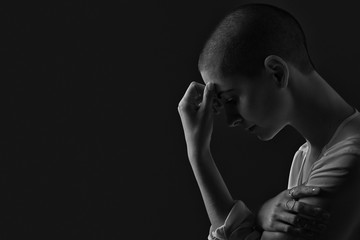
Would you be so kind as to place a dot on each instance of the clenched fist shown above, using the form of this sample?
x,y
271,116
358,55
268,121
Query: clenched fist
x,y
196,110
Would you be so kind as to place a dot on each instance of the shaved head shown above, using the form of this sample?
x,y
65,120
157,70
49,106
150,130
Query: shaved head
x,y
250,33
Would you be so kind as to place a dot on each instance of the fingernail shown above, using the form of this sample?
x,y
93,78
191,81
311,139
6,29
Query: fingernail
x,y
315,190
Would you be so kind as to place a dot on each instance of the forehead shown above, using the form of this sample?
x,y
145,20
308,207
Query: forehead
x,y
223,84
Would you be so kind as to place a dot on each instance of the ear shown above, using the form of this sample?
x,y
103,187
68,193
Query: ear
x,y
278,69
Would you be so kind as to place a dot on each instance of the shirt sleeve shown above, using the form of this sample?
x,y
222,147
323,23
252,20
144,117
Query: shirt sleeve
x,y
239,225
335,167
337,172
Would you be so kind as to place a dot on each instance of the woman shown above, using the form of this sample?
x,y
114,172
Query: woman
x,y
256,66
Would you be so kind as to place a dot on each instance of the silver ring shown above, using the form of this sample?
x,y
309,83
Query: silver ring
x,y
291,193
291,208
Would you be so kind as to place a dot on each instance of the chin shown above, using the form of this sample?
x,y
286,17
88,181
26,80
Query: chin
x,y
268,135
265,138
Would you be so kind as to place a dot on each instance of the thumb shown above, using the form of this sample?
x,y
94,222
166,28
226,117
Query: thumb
x,y
208,97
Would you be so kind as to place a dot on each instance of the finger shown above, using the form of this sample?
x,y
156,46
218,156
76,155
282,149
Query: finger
x,y
192,96
301,222
209,94
217,103
289,218
308,224
199,88
310,211
294,230
303,191
195,90
286,228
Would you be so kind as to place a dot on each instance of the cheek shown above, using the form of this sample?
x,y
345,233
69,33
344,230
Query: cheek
x,y
275,110
251,109
265,108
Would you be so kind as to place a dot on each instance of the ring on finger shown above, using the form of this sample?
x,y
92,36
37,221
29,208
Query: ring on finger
x,y
291,192
291,205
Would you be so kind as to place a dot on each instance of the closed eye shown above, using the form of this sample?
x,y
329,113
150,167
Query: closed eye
x,y
229,100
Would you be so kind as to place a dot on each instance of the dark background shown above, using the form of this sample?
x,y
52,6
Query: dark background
x,y
91,144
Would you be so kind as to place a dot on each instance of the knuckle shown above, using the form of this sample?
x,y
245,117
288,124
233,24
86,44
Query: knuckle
x,y
180,110
193,83
272,218
184,106
309,190
181,107
271,224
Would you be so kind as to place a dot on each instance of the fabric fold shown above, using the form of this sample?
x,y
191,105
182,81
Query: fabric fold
x,y
239,224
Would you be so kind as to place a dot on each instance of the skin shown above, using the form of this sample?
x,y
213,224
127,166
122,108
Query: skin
x,y
281,95
277,98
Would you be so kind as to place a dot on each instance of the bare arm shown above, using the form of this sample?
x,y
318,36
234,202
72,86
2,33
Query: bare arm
x,y
196,114
215,194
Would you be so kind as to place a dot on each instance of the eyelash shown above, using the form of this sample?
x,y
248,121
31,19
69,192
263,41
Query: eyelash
x,y
229,100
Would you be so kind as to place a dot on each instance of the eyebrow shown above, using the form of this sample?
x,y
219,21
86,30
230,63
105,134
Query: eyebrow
x,y
223,92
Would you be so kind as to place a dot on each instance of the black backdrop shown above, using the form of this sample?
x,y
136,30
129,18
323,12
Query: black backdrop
x,y
91,143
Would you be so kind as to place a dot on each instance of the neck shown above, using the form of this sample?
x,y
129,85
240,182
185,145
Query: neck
x,y
317,118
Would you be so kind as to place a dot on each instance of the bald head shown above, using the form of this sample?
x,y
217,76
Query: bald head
x,y
250,33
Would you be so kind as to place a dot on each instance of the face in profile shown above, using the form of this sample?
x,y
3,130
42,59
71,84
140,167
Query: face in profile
x,y
258,105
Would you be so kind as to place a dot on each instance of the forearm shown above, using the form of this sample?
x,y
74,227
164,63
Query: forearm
x,y
217,198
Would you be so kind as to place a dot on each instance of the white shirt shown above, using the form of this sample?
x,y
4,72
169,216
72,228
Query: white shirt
x,y
337,164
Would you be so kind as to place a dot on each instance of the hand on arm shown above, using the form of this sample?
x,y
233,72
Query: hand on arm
x,y
284,218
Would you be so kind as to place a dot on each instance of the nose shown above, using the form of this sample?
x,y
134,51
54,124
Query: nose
x,y
234,120
233,116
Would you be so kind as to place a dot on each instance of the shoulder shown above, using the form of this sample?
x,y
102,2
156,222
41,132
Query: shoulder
x,y
349,145
338,165
302,150
299,157
343,154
